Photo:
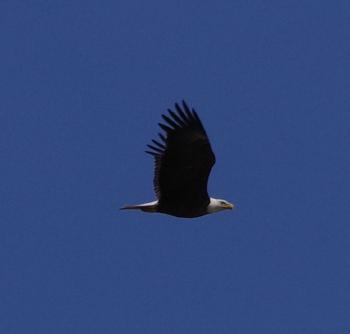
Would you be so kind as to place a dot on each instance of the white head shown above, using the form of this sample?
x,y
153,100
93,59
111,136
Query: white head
x,y
216,205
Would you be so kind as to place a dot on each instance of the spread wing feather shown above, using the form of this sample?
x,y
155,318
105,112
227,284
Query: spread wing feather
x,y
183,159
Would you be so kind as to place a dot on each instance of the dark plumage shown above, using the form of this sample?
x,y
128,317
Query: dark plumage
x,y
183,161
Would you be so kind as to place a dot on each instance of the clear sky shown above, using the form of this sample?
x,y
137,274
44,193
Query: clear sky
x,y
83,85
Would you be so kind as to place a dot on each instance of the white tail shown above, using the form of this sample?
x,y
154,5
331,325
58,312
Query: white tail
x,y
147,207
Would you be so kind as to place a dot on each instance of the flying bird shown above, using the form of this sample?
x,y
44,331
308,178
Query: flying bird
x,y
183,160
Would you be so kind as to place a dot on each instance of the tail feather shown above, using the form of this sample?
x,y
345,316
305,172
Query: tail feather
x,y
130,207
147,207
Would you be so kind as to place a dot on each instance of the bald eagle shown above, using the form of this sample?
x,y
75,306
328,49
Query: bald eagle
x,y
183,160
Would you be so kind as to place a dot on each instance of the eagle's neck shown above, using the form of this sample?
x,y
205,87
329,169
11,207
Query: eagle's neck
x,y
214,206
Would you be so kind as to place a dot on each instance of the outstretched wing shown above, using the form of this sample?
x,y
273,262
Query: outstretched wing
x,y
183,159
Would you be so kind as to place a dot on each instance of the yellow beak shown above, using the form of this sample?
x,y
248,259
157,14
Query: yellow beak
x,y
228,206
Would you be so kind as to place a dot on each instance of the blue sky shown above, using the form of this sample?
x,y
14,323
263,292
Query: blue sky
x,y
83,85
